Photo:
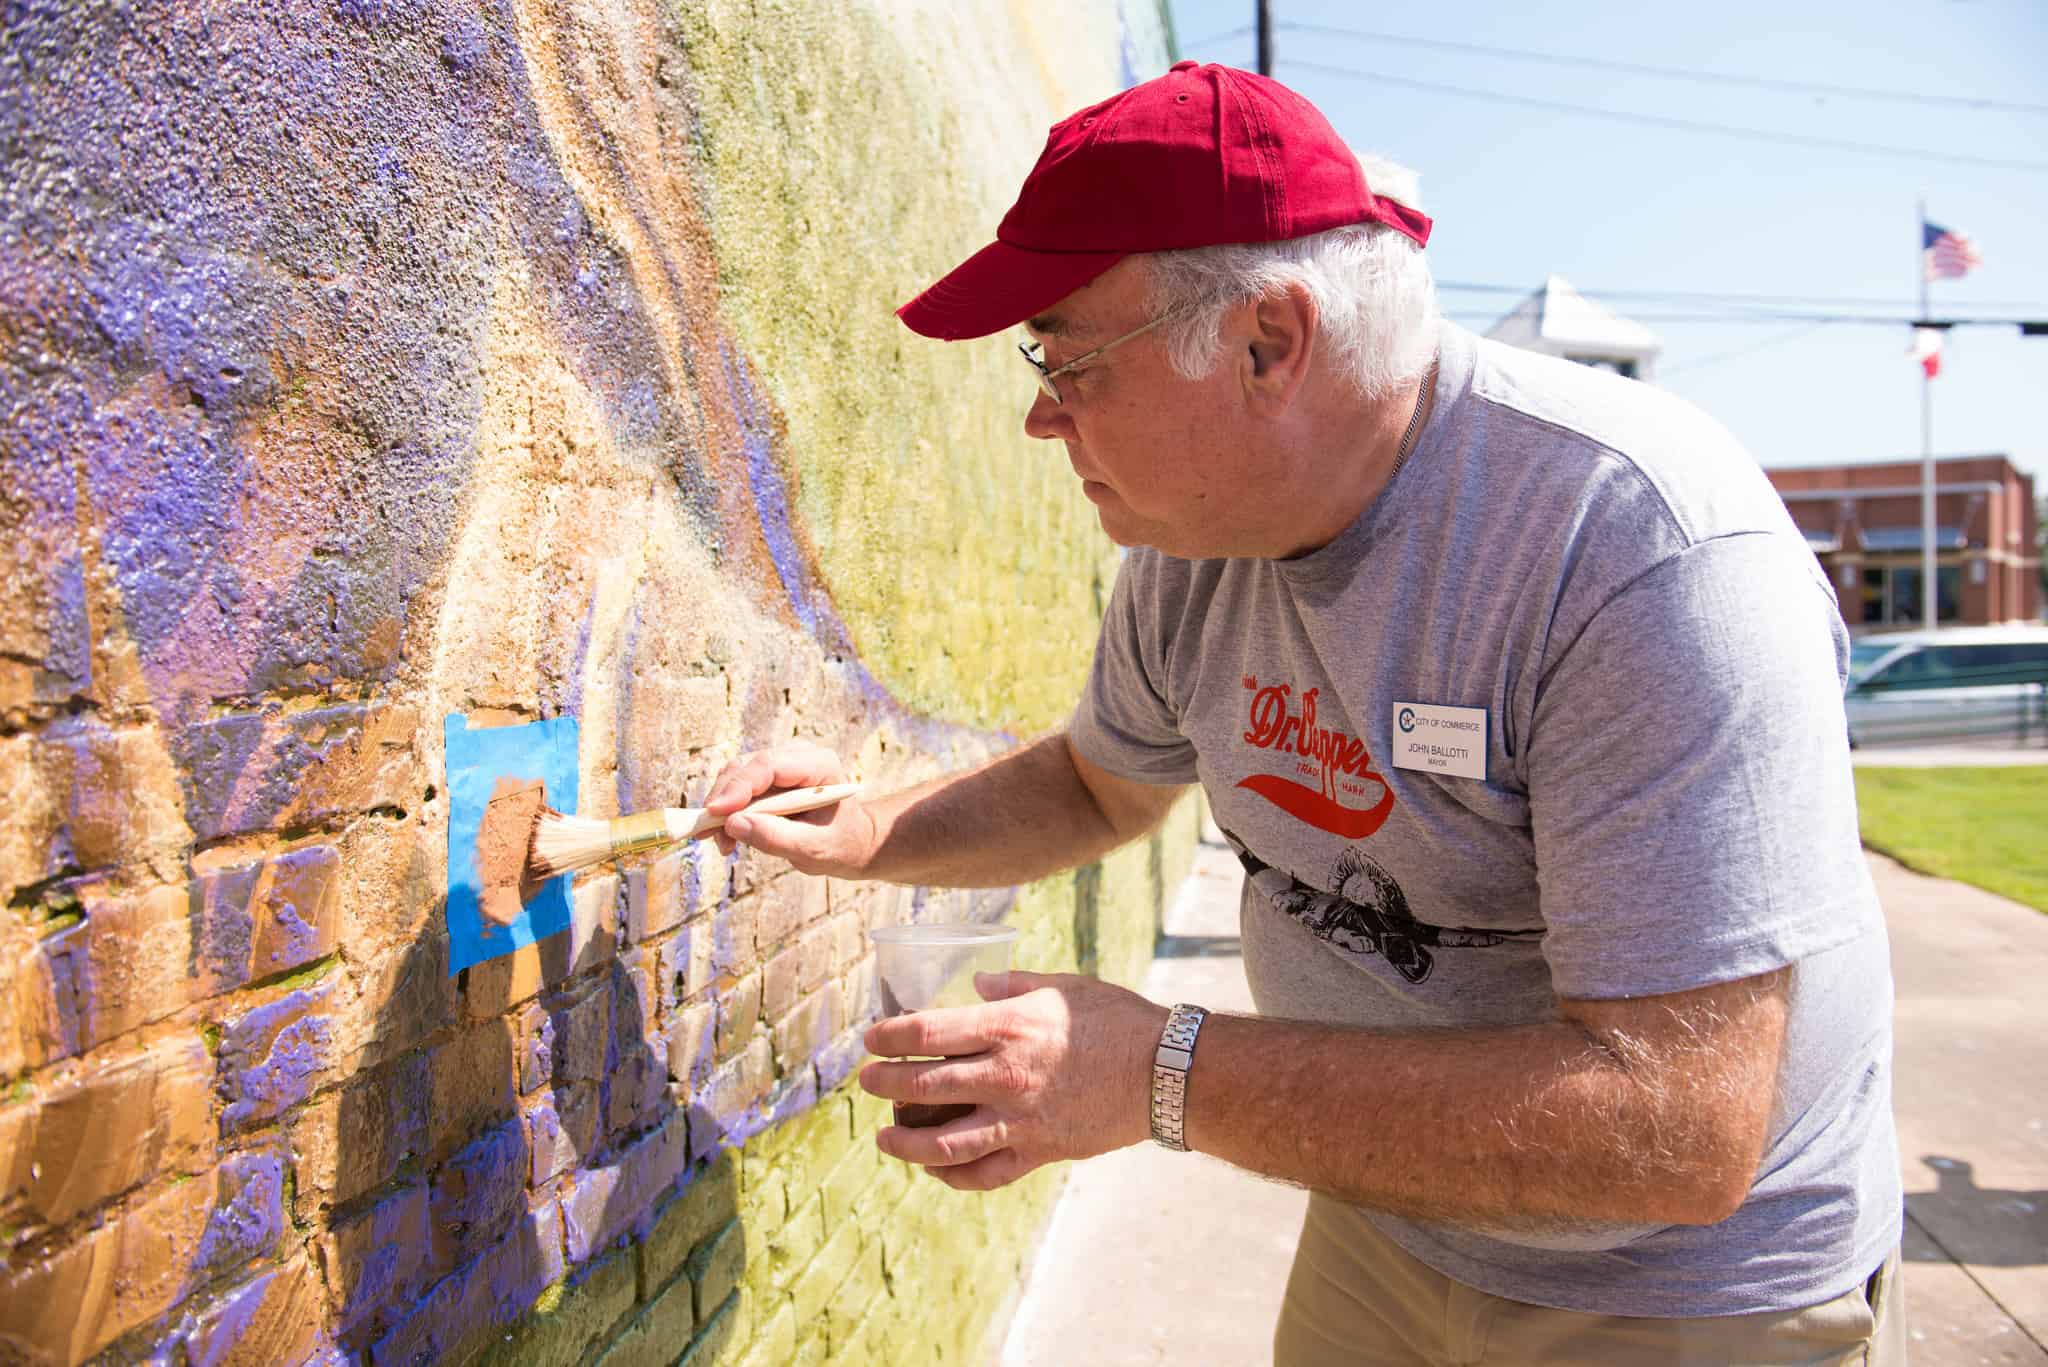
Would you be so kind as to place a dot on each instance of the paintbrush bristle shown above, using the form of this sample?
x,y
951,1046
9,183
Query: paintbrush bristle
x,y
564,844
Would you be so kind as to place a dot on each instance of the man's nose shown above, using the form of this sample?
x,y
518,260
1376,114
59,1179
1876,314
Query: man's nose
x,y
1045,419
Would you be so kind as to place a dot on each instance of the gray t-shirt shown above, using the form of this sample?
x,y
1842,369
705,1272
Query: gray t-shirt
x,y
1585,613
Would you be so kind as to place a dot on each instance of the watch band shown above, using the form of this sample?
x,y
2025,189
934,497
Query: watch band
x,y
1170,1064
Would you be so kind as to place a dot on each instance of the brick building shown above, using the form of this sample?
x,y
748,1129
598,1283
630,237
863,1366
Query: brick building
x,y
1864,522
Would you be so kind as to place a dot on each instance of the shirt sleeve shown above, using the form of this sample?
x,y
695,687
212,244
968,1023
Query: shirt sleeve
x,y
1125,722
1693,806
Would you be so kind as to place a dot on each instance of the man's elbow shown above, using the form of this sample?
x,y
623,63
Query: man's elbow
x,y
1718,1195
1718,1181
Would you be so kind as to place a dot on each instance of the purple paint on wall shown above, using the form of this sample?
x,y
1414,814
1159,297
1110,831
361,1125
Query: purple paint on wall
x,y
272,1057
250,1215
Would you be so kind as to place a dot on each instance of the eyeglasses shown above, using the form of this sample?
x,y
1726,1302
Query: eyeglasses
x,y
1046,377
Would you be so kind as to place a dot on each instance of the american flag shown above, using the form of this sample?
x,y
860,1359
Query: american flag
x,y
1948,254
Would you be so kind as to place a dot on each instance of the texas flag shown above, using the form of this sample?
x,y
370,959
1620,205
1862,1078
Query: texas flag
x,y
1926,349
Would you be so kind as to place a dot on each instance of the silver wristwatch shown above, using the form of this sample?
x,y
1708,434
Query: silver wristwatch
x,y
1170,1066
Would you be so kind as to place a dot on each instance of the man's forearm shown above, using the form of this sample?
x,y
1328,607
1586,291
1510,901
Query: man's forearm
x,y
1020,817
1535,1127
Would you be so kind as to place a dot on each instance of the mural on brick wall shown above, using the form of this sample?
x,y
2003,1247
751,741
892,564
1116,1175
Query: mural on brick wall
x,y
369,363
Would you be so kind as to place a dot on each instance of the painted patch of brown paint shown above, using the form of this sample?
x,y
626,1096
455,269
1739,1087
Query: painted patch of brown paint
x,y
503,838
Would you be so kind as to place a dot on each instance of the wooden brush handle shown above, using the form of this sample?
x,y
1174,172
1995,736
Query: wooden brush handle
x,y
702,823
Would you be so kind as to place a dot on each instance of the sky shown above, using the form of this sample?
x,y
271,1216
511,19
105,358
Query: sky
x,y
1520,191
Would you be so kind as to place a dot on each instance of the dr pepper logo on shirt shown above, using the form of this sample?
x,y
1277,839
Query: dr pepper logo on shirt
x,y
1339,765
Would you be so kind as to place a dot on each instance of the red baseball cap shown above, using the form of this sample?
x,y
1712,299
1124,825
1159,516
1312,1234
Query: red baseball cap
x,y
1200,156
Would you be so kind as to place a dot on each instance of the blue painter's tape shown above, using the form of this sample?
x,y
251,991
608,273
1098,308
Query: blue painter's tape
x,y
545,750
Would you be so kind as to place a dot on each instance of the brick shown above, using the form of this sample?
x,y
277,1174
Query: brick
x,y
840,1056
593,921
353,1138
30,793
141,962
788,904
478,1194
294,911
707,877
857,1169
375,1261
710,1199
819,955
260,919
775,1337
849,940
654,897
491,988
859,995
732,938
650,1339
460,1314
636,1006
863,1288
121,802
692,1044
106,1129
113,1279
781,983
716,1266
686,963
726,1109
472,1077
536,1048
266,770
788,1249
564,1324
400,999
580,1038
637,1087
808,1030
40,1016
273,1317
561,1126
716,1337
248,1217
275,1055
599,1204
739,1009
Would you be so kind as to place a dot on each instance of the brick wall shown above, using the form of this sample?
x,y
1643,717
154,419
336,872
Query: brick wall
x,y
366,362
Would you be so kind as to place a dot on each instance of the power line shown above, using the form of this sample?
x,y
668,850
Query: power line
x,y
1675,73
1661,121
1777,316
1718,296
1737,352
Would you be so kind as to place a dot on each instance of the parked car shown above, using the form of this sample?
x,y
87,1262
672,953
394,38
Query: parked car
x,y
1926,685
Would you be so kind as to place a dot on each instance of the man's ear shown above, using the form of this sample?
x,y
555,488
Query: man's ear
x,y
1278,348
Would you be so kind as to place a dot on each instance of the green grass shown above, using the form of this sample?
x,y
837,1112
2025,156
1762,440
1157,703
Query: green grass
x,y
1984,826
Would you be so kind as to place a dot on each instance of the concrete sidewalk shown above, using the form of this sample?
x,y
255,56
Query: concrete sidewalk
x,y
1155,1257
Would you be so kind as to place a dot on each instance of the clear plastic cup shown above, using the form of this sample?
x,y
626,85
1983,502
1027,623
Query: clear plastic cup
x,y
920,967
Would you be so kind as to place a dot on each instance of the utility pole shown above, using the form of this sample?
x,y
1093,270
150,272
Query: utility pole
x,y
1265,24
1930,601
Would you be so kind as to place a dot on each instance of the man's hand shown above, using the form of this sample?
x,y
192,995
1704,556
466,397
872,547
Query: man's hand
x,y
838,840
1060,1067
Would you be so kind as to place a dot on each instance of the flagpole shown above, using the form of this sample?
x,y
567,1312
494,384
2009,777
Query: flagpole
x,y
1930,601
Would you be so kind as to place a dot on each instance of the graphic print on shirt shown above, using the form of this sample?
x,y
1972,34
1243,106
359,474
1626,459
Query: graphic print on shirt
x,y
1349,799
1368,914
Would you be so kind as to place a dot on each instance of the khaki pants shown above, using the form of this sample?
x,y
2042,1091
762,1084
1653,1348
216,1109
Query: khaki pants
x,y
1355,1297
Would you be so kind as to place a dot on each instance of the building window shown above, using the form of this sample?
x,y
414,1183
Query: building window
x,y
1891,594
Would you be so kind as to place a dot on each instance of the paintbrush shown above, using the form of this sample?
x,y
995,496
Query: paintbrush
x,y
562,844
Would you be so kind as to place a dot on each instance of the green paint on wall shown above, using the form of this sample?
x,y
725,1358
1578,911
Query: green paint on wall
x,y
960,553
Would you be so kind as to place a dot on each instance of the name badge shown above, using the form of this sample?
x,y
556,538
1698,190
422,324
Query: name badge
x,y
1440,740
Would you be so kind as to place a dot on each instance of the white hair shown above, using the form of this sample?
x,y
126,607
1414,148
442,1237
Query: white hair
x,y
1375,301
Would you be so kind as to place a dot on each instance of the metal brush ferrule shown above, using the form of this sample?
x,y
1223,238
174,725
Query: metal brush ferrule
x,y
632,834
